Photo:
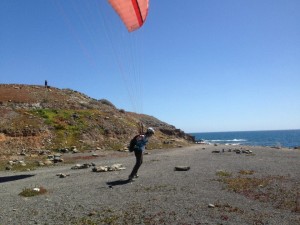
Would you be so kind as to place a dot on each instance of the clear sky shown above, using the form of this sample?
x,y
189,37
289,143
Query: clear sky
x,y
200,65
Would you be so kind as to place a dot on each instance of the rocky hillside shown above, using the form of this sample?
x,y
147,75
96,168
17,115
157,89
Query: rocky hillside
x,y
38,118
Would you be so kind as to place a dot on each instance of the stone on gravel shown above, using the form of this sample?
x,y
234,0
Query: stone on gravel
x,y
216,151
48,162
182,168
79,166
114,167
62,175
211,206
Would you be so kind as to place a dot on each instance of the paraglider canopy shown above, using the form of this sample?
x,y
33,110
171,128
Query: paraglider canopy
x,y
132,12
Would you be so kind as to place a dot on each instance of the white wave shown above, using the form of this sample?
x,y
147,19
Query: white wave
x,y
233,140
239,140
233,144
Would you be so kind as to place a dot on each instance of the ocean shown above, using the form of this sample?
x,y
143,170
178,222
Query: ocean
x,y
276,138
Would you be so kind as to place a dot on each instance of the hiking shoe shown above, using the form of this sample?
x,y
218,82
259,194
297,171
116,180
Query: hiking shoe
x,y
131,179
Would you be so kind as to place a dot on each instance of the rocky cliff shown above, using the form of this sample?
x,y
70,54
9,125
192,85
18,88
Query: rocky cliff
x,y
46,118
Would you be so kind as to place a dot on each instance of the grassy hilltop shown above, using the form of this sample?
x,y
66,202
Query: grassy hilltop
x,y
35,118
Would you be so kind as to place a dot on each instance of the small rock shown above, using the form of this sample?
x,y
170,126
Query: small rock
x,y
48,162
85,165
211,206
100,169
64,150
77,166
182,168
62,175
58,159
116,167
36,189
92,213
216,151
22,163
8,167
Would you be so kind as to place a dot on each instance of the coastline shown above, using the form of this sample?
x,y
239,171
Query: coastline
x,y
162,195
275,138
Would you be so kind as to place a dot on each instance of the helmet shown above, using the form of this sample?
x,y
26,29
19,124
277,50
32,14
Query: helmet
x,y
150,130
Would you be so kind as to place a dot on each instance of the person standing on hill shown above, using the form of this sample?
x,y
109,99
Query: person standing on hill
x,y
139,148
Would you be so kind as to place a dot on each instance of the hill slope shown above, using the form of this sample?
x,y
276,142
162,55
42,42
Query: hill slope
x,y
35,118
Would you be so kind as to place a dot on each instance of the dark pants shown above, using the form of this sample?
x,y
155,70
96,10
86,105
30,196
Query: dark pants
x,y
139,161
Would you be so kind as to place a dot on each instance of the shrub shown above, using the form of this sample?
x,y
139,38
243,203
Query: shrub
x,y
30,192
222,173
246,172
106,102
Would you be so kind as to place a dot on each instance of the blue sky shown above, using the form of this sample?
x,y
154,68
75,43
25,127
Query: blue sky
x,y
202,66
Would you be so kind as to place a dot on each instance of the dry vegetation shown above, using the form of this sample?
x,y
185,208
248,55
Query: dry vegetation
x,y
36,118
281,191
30,192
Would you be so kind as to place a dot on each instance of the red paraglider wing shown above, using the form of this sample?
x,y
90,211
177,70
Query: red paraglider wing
x,y
132,12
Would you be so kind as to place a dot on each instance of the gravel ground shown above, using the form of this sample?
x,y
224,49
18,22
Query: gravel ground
x,y
161,195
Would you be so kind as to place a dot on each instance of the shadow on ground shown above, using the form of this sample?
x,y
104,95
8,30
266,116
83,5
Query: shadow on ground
x,y
118,182
13,178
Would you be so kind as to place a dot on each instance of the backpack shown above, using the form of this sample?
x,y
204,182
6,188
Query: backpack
x,y
133,143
